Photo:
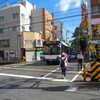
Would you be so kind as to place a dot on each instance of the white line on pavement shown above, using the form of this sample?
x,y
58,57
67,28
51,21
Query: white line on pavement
x,y
33,77
76,76
50,73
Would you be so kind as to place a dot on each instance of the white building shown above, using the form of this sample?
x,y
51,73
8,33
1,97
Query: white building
x,y
58,29
19,21
14,19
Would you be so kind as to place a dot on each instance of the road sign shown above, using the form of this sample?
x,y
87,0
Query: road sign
x,y
85,31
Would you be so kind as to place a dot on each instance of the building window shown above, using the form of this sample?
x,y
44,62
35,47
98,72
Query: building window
x,y
9,29
48,22
1,30
4,43
47,33
29,17
1,18
16,28
95,9
23,16
29,41
15,15
56,27
30,28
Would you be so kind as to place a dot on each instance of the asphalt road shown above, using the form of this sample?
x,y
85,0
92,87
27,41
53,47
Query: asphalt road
x,y
39,81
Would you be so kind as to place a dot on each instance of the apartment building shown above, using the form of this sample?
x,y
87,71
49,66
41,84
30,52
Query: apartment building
x,y
42,22
57,30
94,25
22,26
13,19
94,16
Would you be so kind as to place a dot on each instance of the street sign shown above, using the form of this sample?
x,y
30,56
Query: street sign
x,y
85,31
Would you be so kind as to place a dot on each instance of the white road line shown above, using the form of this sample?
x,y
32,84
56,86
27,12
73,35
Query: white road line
x,y
33,77
76,76
50,73
54,70
15,66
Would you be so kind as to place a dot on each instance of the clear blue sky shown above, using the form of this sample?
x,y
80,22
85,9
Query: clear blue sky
x,y
67,11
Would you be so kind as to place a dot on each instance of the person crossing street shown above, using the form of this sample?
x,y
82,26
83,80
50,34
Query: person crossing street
x,y
63,64
80,60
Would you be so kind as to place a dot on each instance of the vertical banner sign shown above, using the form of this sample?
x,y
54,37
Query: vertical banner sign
x,y
83,11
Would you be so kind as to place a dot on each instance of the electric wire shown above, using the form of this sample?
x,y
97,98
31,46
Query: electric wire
x,y
3,1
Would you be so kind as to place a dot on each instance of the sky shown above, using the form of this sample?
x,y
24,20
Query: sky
x,y
66,11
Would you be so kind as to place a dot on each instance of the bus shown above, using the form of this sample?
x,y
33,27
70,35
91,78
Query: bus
x,y
52,50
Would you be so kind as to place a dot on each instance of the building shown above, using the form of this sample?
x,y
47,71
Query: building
x,y
17,22
94,26
57,34
31,45
94,17
42,22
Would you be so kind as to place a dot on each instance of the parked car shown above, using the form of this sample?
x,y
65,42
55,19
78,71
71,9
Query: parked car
x,y
73,55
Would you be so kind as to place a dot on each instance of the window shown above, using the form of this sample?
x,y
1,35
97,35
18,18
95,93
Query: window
x,y
47,33
29,41
16,28
56,27
99,8
15,16
1,18
23,16
48,21
1,30
9,29
29,17
30,28
4,43
95,9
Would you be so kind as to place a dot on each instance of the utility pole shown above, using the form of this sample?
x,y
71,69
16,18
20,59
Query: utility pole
x,y
67,31
53,34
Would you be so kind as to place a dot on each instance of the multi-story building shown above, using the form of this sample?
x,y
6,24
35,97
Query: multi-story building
x,y
42,22
94,25
94,16
57,30
17,19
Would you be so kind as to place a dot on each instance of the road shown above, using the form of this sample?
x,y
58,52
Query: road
x,y
39,81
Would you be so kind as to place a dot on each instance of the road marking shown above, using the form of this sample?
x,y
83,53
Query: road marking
x,y
33,77
76,76
50,73
44,77
14,66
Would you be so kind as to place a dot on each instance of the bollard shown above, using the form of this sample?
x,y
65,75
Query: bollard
x,y
95,71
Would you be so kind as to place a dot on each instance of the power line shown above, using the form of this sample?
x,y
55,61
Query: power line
x,y
3,1
27,19
14,2
45,21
